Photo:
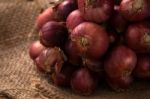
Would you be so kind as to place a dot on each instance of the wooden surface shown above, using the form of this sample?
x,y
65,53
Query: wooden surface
x,y
18,76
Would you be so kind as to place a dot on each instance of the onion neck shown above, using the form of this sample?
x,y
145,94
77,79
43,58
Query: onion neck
x,y
84,42
90,3
146,39
138,6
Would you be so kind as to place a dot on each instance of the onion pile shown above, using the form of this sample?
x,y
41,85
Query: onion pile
x,y
85,42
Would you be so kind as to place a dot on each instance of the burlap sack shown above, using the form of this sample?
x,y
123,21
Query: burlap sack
x,y
19,78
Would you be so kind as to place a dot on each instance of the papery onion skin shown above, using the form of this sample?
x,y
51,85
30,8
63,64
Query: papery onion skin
x,y
83,82
96,10
91,40
138,37
94,65
35,49
53,34
63,77
51,60
142,70
74,19
135,10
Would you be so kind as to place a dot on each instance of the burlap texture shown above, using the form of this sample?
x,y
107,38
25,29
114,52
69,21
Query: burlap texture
x,y
19,78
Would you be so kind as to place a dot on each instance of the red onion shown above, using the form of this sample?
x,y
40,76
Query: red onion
x,y
142,69
74,19
96,10
44,17
138,37
63,77
53,34
51,60
135,10
119,67
93,65
35,49
91,40
65,8
121,62
72,53
74,1
83,82
120,83
57,13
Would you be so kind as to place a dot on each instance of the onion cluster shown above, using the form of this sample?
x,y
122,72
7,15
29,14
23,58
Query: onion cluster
x,y
85,42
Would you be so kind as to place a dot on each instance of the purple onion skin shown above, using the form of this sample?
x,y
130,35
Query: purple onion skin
x,y
96,10
74,19
142,70
94,65
91,40
74,1
65,8
72,53
75,4
63,77
50,60
53,34
121,83
135,10
35,49
56,13
121,62
138,37
46,16
119,67
83,82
